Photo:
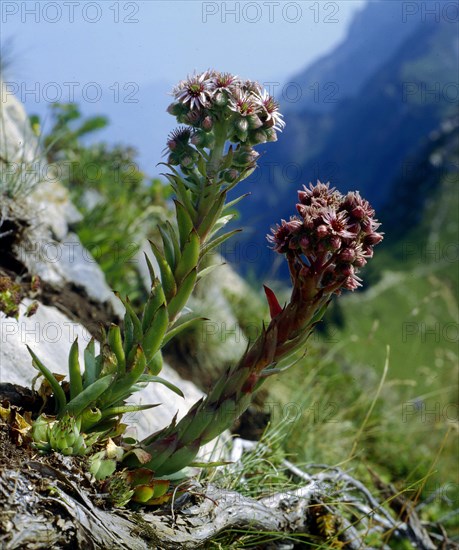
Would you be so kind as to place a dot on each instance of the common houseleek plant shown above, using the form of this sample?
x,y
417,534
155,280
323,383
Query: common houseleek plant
x,y
332,236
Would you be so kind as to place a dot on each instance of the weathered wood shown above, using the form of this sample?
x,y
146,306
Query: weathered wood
x,y
49,502
43,506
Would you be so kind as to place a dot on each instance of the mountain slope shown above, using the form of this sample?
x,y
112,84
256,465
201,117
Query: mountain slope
x,y
413,310
362,50
367,141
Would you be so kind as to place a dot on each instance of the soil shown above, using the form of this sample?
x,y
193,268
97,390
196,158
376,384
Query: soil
x,y
74,302
71,299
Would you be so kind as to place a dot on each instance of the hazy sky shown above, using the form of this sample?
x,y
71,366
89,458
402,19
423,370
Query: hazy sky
x,y
121,57
147,40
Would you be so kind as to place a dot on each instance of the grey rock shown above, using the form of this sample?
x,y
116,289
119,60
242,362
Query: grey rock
x,y
17,141
54,208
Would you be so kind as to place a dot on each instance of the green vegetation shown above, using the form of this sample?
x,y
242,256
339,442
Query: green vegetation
x,y
414,307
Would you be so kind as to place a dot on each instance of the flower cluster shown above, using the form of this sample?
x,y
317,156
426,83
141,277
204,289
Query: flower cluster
x,y
250,115
331,238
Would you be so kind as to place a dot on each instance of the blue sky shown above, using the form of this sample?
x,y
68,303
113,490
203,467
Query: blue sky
x,y
120,58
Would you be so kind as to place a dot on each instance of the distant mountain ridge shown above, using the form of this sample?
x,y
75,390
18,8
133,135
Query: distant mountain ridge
x,y
358,51
364,142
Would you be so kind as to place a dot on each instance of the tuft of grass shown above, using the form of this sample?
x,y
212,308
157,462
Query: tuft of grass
x,y
343,415
20,164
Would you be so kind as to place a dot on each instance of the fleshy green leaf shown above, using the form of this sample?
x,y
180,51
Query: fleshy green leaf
x,y
214,243
159,380
155,300
179,301
57,390
184,222
232,203
190,257
76,382
116,346
168,247
167,277
182,323
89,364
155,334
88,396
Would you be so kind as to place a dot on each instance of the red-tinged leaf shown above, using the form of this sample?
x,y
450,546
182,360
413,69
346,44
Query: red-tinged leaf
x,y
142,456
274,306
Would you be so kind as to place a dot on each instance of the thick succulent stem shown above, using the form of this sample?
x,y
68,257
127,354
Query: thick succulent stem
x,y
176,446
217,150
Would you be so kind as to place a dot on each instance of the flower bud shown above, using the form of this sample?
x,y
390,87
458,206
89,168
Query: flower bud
x,y
182,119
172,160
360,261
271,134
347,255
346,270
258,137
220,99
293,225
335,242
172,144
194,117
351,284
354,228
372,239
230,175
254,122
321,231
176,109
358,212
199,138
241,125
302,196
241,135
207,124
245,156
186,161
367,226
